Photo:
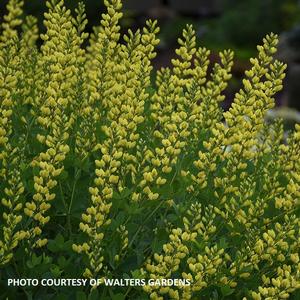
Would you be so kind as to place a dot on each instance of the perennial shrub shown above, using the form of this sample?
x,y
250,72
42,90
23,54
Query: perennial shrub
x,y
106,173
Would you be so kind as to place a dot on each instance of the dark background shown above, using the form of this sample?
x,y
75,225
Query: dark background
x,y
236,24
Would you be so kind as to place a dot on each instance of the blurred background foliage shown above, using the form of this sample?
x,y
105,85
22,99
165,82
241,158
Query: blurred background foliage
x,y
236,24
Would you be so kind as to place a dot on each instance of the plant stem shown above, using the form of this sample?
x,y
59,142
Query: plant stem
x,y
77,175
140,228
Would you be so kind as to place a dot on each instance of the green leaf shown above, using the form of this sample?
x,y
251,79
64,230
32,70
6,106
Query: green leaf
x,y
52,246
60,240
226,290
129,264
136,274
63,175
58,244
29,264
36,260
55,270
62,262
223,243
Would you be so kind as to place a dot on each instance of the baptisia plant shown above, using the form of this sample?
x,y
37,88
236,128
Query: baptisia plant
x,y
110,169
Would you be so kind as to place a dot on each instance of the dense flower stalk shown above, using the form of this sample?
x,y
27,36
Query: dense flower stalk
x,y
110,169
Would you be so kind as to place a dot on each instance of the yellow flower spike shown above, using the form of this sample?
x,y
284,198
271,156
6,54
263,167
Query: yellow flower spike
x,y
55,50
120,107
99,103
12,20
12,204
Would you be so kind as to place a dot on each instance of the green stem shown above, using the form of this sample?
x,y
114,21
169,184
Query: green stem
x,y
140,228
77,176
62,196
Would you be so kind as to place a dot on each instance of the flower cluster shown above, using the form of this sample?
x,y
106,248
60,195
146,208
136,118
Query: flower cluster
x,y
119,169
11,155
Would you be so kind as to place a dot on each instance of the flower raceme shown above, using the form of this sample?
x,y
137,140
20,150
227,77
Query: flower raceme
x,y
140,171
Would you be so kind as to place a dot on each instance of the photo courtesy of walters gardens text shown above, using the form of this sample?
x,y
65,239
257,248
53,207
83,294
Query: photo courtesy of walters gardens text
x,y
63,282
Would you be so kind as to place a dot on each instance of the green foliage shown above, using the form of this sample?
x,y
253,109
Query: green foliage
x,y
106,174
258,18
